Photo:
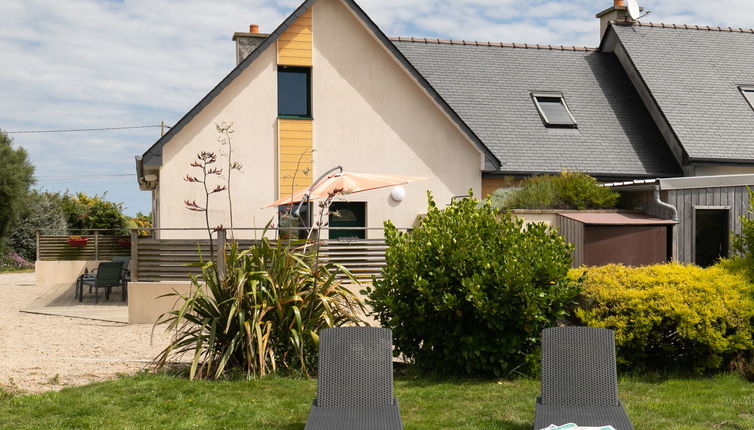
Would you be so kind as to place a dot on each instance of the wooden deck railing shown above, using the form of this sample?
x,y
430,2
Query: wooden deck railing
x,y
158,260
101,246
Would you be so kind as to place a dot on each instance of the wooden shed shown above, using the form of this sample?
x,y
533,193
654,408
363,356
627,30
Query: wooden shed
x,y
708,210
601,238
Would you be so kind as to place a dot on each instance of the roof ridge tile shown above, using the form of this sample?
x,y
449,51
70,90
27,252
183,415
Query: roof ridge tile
x,y
683,26
491,44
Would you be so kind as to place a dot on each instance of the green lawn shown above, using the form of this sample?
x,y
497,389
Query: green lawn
x,y
158,401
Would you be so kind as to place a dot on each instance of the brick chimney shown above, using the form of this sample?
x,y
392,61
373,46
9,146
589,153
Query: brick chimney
x,y
246,43
619,12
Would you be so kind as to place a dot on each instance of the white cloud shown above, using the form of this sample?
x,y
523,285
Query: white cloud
x,y
97,63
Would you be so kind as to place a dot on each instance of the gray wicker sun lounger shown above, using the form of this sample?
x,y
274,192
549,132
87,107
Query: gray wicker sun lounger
x,y
579,379
355,382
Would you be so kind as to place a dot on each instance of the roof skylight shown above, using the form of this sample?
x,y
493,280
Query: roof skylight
x,y
748,93
553,110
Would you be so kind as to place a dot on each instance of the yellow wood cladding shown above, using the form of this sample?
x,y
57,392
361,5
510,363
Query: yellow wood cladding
x,y
295,44
294,154
490,184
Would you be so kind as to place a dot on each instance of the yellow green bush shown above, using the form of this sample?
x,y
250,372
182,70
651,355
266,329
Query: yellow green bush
x,y
670,317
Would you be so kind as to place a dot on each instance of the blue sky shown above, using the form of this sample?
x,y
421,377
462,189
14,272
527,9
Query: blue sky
x,y
92,64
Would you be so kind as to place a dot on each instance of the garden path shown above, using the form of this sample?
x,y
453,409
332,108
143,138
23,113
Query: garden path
x,y
47,352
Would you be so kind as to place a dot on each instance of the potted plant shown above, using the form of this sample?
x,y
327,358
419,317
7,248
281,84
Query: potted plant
x,y
125,242
77,241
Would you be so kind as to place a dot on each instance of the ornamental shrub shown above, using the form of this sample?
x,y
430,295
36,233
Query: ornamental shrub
x,y
569,190
261,315
84,213
670,317
467,292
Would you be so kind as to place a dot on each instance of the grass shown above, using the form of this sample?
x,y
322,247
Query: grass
x,y
158,401
13,269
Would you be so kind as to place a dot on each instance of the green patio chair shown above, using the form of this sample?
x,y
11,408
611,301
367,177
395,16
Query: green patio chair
x,y
88,278
108,276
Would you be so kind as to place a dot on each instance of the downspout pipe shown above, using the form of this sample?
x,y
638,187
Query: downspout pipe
x,y
660,203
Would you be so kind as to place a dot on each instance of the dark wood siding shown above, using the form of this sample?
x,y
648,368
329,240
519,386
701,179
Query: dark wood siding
x,y
632,245
573,232
686,200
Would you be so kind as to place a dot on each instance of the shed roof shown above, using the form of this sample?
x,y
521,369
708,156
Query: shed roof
x,y
615,218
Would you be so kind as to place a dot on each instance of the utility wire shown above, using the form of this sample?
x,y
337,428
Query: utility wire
x,y
84,129
85,176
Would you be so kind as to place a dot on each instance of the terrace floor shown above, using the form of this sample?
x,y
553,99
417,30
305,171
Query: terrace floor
x,y
60,301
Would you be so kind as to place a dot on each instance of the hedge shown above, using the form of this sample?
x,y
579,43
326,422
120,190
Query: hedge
x,y
670,317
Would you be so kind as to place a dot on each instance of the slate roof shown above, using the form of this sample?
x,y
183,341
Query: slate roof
x,y
693,74
490,87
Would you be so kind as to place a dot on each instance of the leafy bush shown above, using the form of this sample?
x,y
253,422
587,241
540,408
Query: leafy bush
x,y
141,221
84,213
670,316
569,190
41,212
261,315
466,292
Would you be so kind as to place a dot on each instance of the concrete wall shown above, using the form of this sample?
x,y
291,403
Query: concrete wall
x,y
60,273
369,116
145,305
530,216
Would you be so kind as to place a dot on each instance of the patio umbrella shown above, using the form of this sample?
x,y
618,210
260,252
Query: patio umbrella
x,y
346,182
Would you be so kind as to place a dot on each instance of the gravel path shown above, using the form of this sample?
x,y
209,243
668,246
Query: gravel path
x,y
42,352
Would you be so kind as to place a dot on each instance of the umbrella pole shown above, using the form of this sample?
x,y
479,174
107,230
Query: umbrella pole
x,y
311,187
306,199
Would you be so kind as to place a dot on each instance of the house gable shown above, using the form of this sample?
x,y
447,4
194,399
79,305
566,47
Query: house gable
x,y
153,156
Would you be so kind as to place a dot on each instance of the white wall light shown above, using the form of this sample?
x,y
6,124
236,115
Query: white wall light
x,y
398,193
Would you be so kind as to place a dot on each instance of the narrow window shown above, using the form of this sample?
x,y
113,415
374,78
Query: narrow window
x,y
748,93
294,92
553,110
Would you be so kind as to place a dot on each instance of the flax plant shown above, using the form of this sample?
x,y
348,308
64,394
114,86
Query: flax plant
x,y
262,315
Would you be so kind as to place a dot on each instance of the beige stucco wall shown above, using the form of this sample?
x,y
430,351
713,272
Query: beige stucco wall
x,y
250,102
369,116
722,170
536,216
145,305
60,273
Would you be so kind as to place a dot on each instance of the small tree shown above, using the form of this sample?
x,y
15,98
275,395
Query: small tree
x,y
16,176
468,292
41,212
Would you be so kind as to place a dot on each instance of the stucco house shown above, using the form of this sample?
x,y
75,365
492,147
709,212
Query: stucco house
x,y
328,88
